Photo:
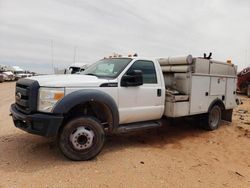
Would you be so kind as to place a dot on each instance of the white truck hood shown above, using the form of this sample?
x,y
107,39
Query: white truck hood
x,y
69,80
24,74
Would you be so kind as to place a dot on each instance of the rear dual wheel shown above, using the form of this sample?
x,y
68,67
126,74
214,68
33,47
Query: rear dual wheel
x,y
82,138
213,118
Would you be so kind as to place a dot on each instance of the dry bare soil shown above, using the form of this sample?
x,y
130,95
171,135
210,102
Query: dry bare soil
x,y
173,156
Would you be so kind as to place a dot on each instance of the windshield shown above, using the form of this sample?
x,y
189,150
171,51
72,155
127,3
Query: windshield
x,y
107,67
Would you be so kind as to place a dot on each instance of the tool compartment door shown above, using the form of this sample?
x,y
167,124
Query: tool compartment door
x,y
199,94
231,93
218,86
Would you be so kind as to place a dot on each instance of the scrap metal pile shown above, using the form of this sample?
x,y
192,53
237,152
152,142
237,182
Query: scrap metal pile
x,y
243,85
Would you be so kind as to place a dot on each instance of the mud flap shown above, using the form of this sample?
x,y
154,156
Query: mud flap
x,y
227,115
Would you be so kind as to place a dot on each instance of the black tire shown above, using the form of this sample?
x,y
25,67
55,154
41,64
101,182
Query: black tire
x,y
248,91
213,118
77,147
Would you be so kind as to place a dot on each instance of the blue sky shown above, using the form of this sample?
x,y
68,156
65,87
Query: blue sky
x,y
97,28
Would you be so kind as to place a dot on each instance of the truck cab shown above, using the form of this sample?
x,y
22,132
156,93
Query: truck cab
x,y
119,95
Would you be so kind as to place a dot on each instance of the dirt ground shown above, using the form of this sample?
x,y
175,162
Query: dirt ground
x,y
173,156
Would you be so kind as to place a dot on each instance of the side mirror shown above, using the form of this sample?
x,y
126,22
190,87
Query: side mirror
x,y
133,78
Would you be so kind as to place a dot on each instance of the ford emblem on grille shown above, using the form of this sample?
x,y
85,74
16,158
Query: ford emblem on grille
x,y
18,96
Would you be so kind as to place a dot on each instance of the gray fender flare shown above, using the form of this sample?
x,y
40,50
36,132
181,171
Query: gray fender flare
x,y
216,101
88,95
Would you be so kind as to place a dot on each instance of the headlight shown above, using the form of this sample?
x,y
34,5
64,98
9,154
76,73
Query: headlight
x,y
48,97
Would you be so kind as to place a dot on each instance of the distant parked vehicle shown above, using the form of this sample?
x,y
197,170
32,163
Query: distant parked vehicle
x,y
75,68
20,73
8,76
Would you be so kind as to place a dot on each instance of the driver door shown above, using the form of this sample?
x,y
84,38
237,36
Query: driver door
x,y
144,102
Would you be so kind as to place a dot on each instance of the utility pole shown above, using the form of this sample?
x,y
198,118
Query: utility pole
x,y
74,58
52,56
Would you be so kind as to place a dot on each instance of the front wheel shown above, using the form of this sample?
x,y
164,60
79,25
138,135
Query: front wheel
x,y
81,138
213,118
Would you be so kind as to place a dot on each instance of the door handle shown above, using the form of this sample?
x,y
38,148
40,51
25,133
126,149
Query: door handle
x,y
158,92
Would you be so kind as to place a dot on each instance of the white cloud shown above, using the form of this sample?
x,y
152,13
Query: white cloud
x,y
97,28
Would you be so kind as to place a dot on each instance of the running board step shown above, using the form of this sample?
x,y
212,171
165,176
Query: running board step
x,y
130,127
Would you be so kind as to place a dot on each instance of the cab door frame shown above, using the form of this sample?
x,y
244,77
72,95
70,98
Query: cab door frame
x,y
141,103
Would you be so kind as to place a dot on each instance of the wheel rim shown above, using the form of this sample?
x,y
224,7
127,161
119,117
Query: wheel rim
x,y
214,117
82,138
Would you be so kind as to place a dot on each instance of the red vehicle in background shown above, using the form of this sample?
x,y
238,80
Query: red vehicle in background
x,y
243,85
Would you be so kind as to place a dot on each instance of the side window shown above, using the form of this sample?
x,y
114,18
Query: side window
x,y
148,71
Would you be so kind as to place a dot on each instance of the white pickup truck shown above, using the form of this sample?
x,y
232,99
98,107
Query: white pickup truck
x,y
118,95
19,73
